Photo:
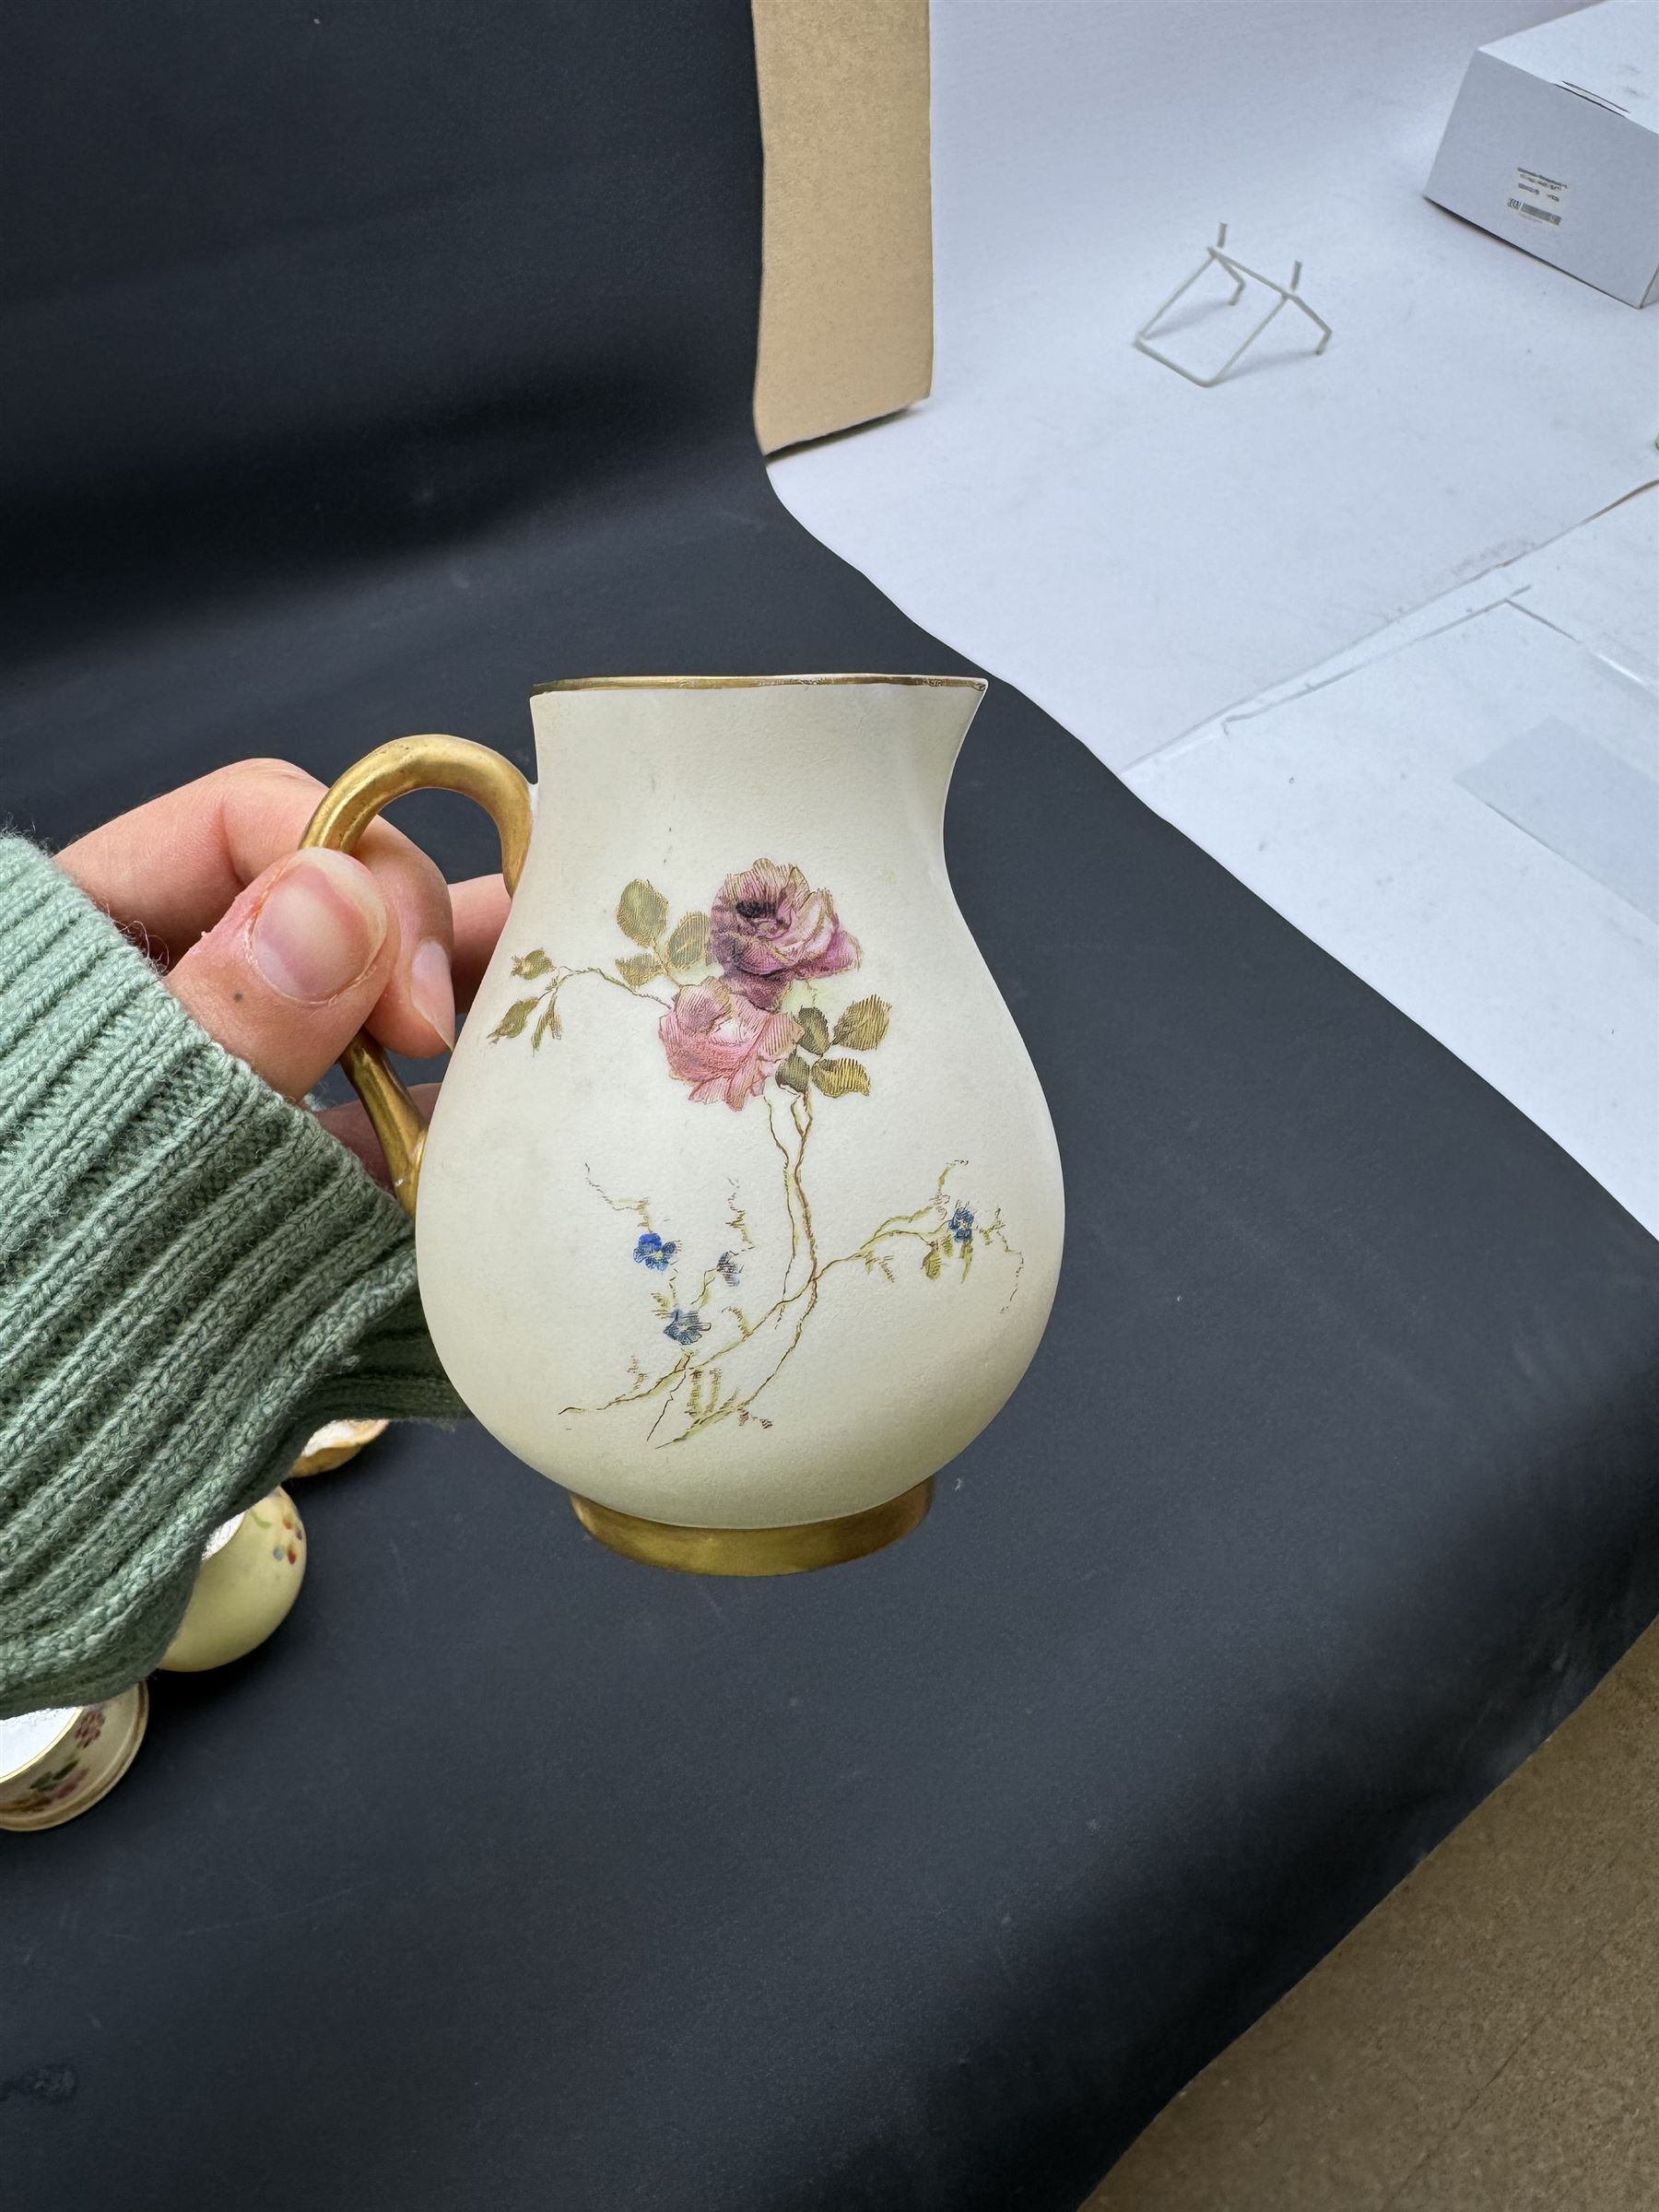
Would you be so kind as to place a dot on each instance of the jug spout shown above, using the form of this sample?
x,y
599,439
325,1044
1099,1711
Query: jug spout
x,y
878,750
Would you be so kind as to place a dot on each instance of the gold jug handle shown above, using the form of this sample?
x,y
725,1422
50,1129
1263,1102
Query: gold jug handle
x,y
345,811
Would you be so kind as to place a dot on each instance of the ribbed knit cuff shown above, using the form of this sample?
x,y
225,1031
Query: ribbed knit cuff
x,y
193,1276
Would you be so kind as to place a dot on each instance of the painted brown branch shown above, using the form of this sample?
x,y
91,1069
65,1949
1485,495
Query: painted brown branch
x,y
862,1026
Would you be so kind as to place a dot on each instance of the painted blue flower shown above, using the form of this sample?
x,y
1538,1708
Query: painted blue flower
x,y
651,1252
727,1265
960,1224
686,1325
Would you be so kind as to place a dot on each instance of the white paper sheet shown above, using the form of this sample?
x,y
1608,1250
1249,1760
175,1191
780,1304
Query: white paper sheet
x,y
1462,812
1141,555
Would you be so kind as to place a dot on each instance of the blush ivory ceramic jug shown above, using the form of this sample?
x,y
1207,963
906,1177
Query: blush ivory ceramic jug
x,y
740,1210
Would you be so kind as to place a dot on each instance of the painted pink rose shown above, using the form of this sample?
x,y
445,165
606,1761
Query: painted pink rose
x,y
768,928
722,1045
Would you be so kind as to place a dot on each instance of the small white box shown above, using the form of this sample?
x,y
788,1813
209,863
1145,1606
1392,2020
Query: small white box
x,y
1554,145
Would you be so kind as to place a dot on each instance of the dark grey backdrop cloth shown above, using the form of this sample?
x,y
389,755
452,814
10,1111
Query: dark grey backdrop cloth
x,y
369,364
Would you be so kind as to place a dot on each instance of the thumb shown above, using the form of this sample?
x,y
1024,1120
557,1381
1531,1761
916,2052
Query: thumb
x,y
287,977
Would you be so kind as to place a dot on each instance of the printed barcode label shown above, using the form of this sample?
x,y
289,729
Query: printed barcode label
x,y
1537,199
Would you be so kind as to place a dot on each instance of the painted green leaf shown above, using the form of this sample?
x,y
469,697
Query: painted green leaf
x,y
547,1024
864,1025
688,947
641,911
639,968
795,1072
930,1265
836,1079
529,965
512,1023
815,1029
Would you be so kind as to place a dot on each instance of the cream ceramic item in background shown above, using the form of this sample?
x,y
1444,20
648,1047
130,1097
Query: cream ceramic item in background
x,y
251,1569
740,1213
55,1764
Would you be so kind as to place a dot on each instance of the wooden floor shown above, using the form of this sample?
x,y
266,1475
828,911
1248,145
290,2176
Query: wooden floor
x,y
1488,2040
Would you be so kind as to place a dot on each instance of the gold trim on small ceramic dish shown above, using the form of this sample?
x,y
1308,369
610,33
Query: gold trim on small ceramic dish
x,y
744,683
796,1549
96,1762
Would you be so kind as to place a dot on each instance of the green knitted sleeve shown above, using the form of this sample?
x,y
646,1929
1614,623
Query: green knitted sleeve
x,y
193,1276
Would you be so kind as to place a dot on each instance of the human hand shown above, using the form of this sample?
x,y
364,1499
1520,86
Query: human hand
x,y
283,956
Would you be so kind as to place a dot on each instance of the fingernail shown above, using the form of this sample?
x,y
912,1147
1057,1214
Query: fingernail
x,y
318,927
432,988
